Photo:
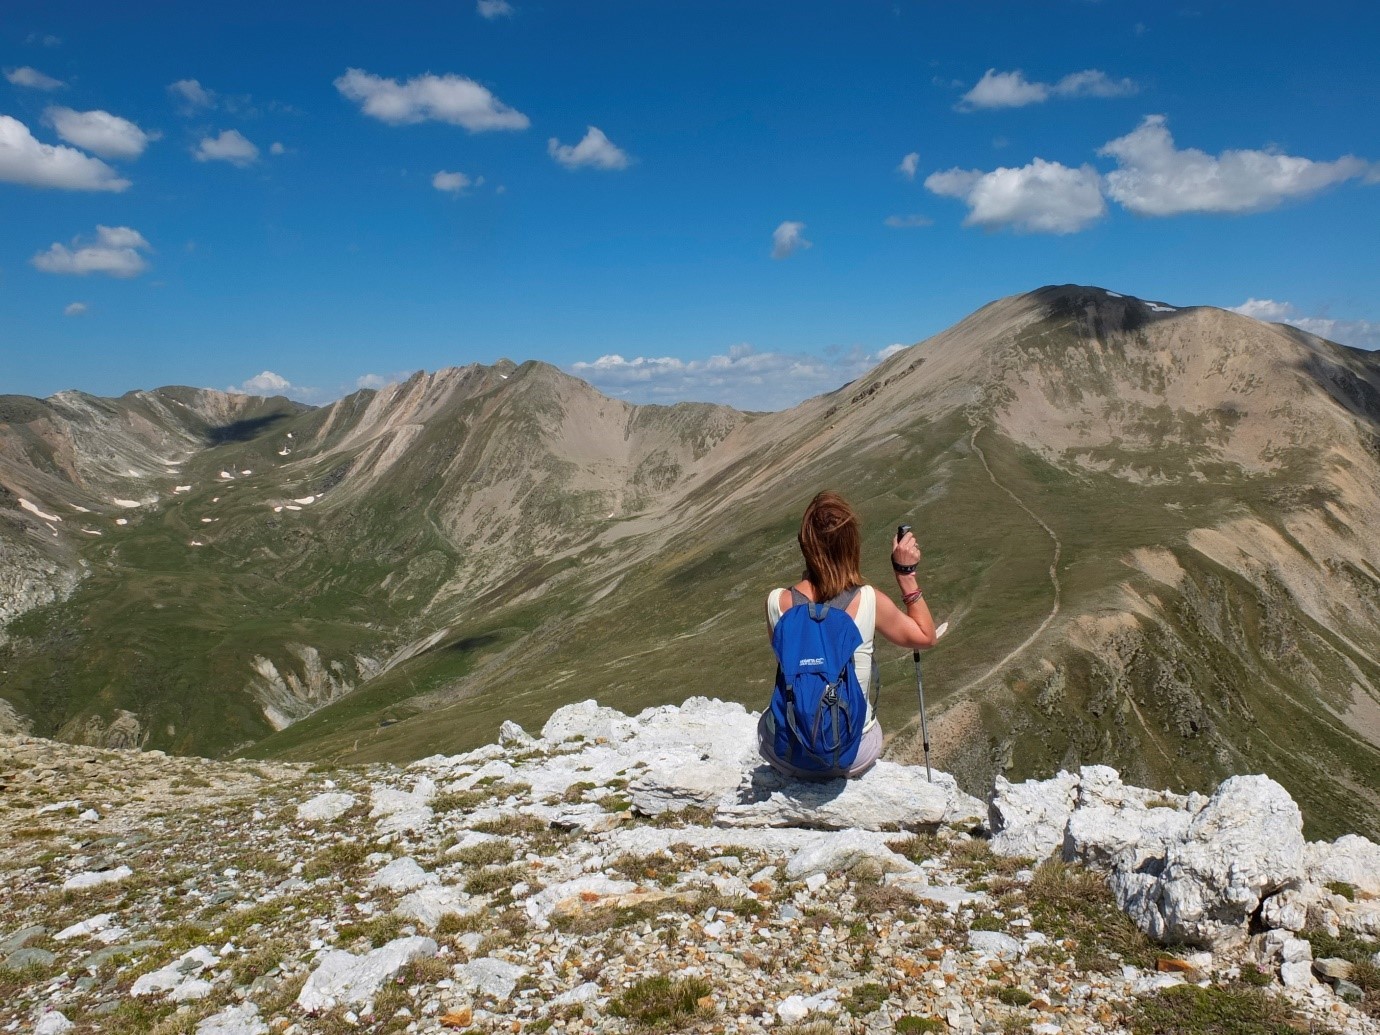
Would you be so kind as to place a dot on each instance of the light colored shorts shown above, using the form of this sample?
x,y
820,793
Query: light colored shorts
x,y
868,752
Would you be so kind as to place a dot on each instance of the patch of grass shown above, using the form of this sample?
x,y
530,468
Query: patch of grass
x,y
181,937
458,801
462,923
1012,996
1222,1010
1347,946
658,866
493,879
575,793
1341,887
694,816
486,853
377,930
812,1028
865,999
257,962
661,1001
1257,977
1070,902
987,922
512,826
342,860
918,847
912,1025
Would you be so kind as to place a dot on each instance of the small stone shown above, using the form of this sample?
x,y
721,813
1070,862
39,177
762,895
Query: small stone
x,y
461,1017
1348,992
53,1022
1333,969
22,959
95,878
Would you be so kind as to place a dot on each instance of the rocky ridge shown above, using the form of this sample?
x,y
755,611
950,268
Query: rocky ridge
x,y
619,873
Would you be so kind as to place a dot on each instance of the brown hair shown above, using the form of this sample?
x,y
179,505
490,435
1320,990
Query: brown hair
x,y
831,543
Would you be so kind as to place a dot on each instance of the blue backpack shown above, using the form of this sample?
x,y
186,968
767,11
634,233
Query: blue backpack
x,y
818,707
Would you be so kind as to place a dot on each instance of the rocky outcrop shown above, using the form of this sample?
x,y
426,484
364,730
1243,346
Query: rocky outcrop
x,y
293,691
1193,869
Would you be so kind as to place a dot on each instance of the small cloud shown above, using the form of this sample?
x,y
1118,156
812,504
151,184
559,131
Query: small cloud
x,y
115,252
891,350
492,9
267,383
75,309
595,150
23,159
1155,178
1013,90
787,239
430,98
1042,197
99,132
452,182
191,96
277,148
908,222
909,164
33,79
35,39
231,146
1361,334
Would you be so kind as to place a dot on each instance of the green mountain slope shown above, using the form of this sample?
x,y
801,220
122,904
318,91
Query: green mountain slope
x,y
1146,526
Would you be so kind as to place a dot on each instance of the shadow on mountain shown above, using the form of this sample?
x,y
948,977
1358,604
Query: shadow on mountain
x,y
243,430
471,643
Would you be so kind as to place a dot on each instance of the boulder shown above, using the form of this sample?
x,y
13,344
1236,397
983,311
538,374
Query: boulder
x,y
674,784
95,878
344,979
587,721
52,1022
888,796
995,943
429,903
511,735
179,979
1029,819
398,810
1122,837
1245,844
589,889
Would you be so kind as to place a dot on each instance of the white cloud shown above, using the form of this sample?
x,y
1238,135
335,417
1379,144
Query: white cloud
x,y
33,79
743,377
1154,178
99,131
374,381
75,309
908,222
438,98
41,39
1013,90
191,96
231,146
277,148
594,150
787,239
453,182
1362,334
909,164
267,383
1042,197
115,252
25,160
492,9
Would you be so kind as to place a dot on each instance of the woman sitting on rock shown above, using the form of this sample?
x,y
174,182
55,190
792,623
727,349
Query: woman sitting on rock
x,y
819,726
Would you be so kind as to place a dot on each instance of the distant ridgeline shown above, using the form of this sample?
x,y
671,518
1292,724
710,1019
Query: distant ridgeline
x,y
1146,525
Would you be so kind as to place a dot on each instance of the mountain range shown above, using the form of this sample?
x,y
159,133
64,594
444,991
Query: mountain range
x,y
1145,525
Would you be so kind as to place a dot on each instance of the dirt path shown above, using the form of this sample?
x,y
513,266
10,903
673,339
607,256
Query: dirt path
x,y
1053,573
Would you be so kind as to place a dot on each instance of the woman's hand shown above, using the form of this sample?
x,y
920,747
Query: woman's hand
x,y
905,550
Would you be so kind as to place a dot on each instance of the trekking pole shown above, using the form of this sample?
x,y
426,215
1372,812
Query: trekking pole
x,y
920,690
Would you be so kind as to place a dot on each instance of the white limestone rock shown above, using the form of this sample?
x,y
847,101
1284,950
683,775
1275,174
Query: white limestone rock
x,y
888,796
326,808
545,902
428,904
180,978
400,875
95,878
489,976
1245,844
344,979
1351,859
587,721
52,1022
242,1019
1123,837
842,851
398,810
512,735
86,928
675,784
1029,819
995,943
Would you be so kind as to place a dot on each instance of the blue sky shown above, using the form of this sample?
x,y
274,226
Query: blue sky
x,y
674,200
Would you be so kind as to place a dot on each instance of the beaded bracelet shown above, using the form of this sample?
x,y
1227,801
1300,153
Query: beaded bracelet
x,y
910,598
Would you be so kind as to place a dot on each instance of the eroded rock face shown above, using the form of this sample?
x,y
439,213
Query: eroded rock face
x,y
1029,819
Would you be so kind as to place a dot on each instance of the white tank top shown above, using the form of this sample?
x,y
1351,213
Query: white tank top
x,y
866,620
